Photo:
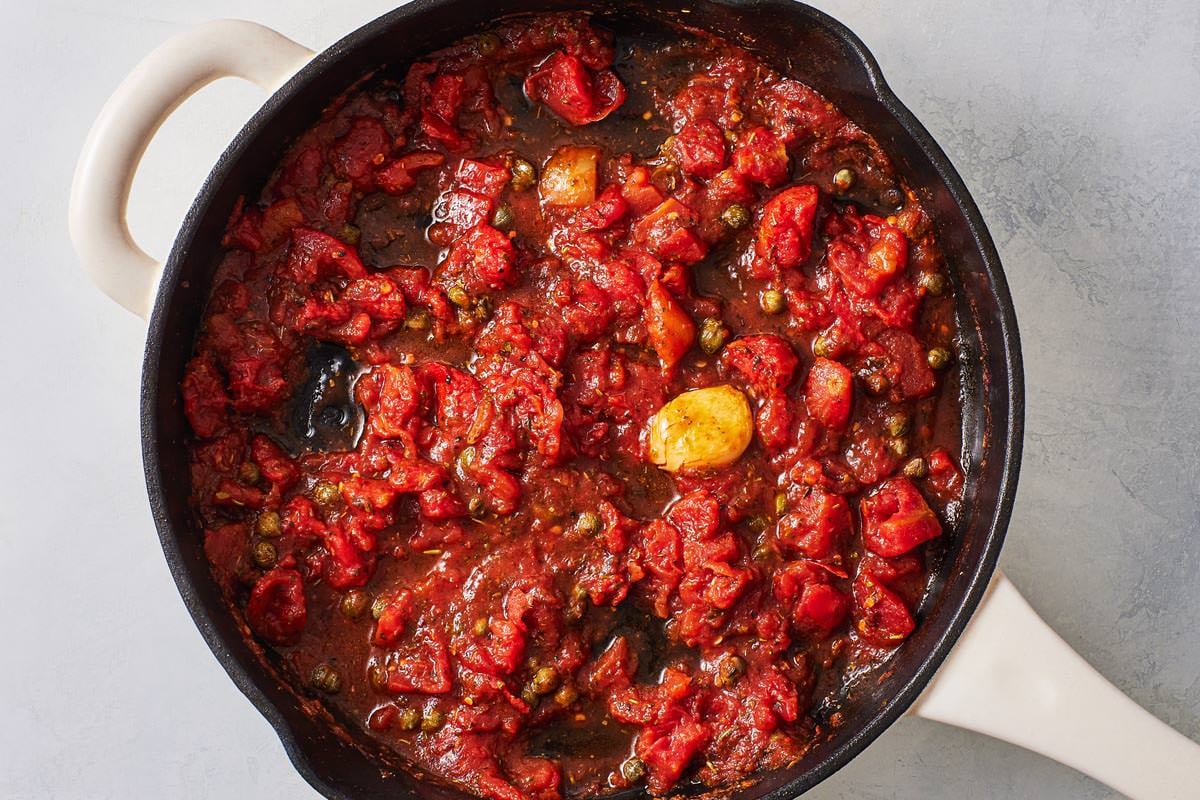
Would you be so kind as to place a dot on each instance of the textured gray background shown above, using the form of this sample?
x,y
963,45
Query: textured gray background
x,y
1076,125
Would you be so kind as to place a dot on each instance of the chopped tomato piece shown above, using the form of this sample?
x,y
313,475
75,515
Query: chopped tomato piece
x,y
699,148
483,257
785,232
572,91
276,609
671,330
880,616
896,518
395,609
829,393
818,524
761,157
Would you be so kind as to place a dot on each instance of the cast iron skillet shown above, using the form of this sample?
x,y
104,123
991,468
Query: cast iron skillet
x,y
797,40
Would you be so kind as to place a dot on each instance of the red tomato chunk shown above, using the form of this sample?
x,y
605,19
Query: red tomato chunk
x,y
422,394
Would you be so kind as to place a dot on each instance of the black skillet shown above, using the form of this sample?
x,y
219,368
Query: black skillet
x,y
797,40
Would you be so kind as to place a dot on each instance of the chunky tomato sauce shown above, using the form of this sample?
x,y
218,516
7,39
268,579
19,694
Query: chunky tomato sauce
x,y
575,414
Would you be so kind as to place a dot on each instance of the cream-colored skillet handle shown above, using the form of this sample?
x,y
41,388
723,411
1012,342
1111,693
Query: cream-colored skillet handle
x,y
1010,676
129,120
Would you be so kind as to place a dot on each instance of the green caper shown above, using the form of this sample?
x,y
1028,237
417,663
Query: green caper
x,y
379,606
409,719
915,468
326,678
758,523
503,217
772,301
325,493
417,320
764,552
458,295
713,334
481,626
780,502
633,769
350,234
355,603
265,554
843,179
545,680
377,676
477,508
589,524
269,523
896,424
487,44
566,695
432,720
249,472
529,696
898,446
932,282
822,347
522,173
938,357
736,216
729,671
877,383
483,308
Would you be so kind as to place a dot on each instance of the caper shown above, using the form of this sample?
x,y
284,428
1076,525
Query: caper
x,y
355,603
772,301
522,173
432,720
269,523
377,676
566,695
896,424
822,347
503,217
350,234
938,357
477,508
578,602
458,295
409,719
932,282
877,383
487,44
915,468
712,335
265,554
326,678
417,320
758,523
483,308
780,502
545,680
736,216
729,671
529,696
325,493
764,552
378,607
843,179
249,472
633,769
898,446
589,524
481,626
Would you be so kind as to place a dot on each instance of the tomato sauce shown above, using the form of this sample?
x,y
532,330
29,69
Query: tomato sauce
x,y
423,386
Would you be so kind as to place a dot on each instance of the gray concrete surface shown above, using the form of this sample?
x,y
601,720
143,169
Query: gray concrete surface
x,y
1076,125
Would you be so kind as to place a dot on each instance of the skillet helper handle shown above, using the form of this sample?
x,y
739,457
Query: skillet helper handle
x,y
173,72
1010,676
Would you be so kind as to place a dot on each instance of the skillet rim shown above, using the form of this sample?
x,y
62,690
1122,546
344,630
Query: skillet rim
x,y
1010,444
